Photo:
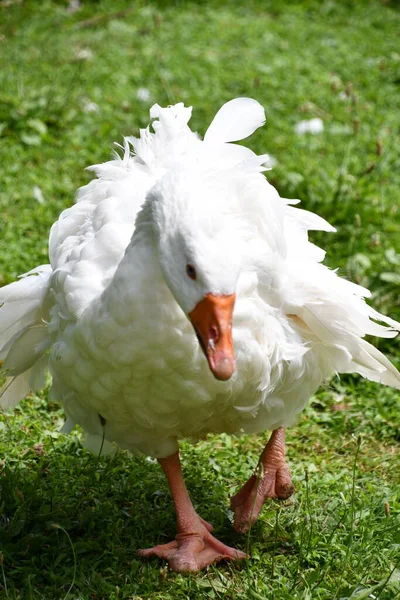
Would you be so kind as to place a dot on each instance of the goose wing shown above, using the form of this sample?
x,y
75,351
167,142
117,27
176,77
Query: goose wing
x,y
331,312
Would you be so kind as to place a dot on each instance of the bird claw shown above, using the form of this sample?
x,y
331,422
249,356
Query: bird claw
x,y
249,500
193,551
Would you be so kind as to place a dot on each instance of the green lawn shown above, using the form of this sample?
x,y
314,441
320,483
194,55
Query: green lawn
x,y
71,523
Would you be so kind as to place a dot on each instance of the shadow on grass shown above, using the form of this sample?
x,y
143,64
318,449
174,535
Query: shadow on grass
x,y
109,506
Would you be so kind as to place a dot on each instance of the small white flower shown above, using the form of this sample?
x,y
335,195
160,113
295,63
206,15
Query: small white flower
x,y
344,96
90,107
143,94
38,194
73,6
84,54
340,129
313,126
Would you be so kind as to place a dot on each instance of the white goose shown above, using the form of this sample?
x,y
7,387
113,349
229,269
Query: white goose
x,y
183,297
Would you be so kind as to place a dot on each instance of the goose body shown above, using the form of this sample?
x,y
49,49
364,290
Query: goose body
x,y
124,358
174,224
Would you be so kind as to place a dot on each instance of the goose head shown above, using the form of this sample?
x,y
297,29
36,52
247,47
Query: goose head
x,y
199,255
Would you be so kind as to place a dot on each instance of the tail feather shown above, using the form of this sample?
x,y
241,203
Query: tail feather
x,y
373,365
14,390
24,337
14,317
25,348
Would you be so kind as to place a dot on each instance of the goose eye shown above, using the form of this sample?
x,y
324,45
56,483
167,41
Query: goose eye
x,y
191,271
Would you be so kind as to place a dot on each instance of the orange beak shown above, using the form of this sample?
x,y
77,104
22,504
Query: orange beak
x,y
212,322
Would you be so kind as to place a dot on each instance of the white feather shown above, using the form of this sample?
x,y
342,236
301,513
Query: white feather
x,y
384,371
25,349
24,337
236,120
14,390
98,445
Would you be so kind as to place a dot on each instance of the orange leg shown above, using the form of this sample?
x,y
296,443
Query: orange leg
x,y
194,547
273,482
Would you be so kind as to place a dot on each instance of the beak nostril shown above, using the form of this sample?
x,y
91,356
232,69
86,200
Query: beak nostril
x,y
214,334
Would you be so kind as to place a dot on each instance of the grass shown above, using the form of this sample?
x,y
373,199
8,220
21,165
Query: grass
x,y
71,523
